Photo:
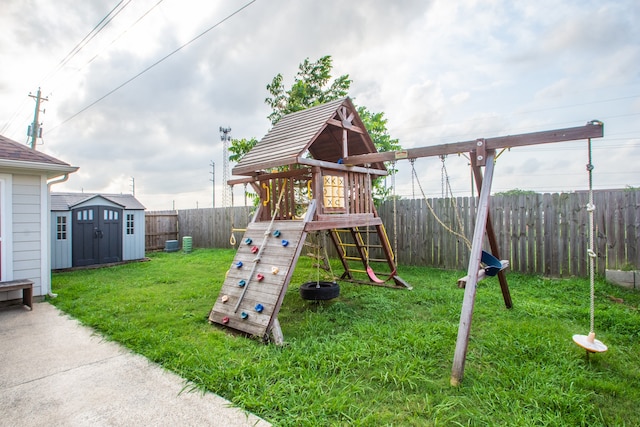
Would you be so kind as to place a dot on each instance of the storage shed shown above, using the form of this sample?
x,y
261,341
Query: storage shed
x,y
89,229
26,177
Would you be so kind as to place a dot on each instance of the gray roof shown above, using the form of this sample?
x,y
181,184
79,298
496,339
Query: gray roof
x,y
317,130
66,201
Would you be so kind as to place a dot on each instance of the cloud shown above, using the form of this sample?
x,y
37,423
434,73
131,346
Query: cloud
x,y
440,71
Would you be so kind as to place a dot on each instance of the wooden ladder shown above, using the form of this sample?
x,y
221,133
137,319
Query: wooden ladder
x,y
354,248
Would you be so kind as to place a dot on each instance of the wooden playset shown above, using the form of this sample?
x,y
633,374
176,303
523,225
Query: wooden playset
x,y
298,172
314,171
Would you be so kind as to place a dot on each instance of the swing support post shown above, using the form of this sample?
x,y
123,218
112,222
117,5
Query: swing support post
x,y
468,302
491,235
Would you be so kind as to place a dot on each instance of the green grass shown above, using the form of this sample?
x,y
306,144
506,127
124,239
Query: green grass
x,y
377,356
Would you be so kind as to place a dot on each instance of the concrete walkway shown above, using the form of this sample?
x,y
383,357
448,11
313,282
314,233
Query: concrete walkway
x,y
54,371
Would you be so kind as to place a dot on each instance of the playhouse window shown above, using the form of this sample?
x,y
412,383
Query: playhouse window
x,y
61,228
333,193
129,223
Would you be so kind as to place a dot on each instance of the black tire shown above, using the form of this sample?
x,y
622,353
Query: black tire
x,y
319,291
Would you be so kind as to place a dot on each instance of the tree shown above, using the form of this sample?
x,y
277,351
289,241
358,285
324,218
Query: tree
x,y
239,147
313,86
515,192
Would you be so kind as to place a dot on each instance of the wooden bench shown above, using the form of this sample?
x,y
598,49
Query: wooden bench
x,y
24,284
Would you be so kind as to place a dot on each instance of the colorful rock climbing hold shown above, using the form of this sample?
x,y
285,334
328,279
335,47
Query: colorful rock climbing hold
x,y
259,277
254,249
244,315
247,241
259,308
242,282
224,298
285,243
225,320
239,264
274,270
276,233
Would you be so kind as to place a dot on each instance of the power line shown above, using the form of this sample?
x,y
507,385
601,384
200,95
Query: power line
x,y
559,107
154,64
94,32
76,49
124,32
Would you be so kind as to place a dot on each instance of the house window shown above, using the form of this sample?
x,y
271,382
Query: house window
x,y
129,223
61,228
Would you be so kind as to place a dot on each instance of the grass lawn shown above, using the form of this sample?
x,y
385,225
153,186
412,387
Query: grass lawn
x,y
377,356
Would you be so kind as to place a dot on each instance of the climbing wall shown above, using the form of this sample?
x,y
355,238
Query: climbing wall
x,y
257,279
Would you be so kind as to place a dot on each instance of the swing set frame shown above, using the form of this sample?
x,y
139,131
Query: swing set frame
x,y
482,153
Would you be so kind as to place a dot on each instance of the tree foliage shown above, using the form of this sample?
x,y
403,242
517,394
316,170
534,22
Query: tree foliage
x,y
313,85
515,192
239,147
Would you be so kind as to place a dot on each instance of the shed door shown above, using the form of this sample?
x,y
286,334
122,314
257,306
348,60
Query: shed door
x,y
110,235
97,235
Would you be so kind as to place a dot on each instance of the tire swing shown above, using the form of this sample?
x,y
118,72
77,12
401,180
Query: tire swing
x,y
318,290
589,342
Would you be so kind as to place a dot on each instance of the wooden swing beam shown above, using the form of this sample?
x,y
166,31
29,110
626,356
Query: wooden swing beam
x,y
482,153
593,129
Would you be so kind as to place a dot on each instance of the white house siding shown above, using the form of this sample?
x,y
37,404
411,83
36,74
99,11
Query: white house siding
x,y
27,233
61,249
133,244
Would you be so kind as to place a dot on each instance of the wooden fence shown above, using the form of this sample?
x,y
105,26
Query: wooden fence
x,y
211,227
160,226
538,233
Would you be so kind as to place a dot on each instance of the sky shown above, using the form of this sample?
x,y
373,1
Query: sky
x,y
138,105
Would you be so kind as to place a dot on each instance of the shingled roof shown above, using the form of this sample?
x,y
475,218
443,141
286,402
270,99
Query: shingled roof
x,y
18,156
317,132
66,201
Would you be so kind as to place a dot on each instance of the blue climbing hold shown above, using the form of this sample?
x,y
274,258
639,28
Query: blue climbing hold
x,y
239,264
285,243
259,308
244,315
276,233
241,283
247,241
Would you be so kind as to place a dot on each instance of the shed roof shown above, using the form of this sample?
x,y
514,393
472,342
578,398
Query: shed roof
x,y
317,132
66,201
18,156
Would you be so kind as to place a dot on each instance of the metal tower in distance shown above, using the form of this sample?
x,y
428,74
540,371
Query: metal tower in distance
x,y
225,137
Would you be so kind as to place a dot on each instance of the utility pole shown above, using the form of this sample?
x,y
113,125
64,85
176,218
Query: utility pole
x,y
225,137
35,131
213,180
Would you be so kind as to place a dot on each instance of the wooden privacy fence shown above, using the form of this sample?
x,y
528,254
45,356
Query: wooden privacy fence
x,y
538,233
160,226
211,227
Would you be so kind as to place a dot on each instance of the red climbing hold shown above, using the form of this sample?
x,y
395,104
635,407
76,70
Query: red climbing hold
x,y
225,320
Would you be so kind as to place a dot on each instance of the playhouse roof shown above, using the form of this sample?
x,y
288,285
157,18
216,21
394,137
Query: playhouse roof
x,y
66,201
14,155
316,132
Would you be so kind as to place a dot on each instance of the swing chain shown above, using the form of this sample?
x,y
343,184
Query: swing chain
x,y
464,238
413,186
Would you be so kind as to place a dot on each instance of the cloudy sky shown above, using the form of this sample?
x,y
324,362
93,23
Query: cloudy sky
x,y
442,71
